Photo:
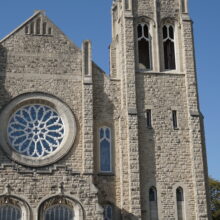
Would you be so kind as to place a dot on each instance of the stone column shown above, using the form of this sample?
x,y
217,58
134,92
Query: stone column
x,y
131,115
87,111
199,166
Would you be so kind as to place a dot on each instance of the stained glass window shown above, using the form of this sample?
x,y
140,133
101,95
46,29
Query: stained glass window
x,y
105,149
59,212
10,212
35,130
108,212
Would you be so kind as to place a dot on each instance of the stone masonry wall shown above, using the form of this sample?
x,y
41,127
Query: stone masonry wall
x,y
48,64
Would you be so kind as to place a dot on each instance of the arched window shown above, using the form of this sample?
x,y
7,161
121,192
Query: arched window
x,y
59,212
144,46
169,47
38,26
10,212
153,203
105,149
32,28
108,212
44,28
26,29
180,203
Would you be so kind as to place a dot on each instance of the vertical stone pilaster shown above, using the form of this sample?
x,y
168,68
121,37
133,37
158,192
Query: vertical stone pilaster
x,y
87,111
131,115
199,166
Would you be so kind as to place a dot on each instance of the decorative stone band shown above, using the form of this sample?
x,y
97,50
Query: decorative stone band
x,y
37,129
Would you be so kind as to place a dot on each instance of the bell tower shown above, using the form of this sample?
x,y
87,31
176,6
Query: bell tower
x,y
163,159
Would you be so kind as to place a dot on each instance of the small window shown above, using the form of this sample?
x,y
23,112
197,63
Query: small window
x,y
108,212
148,116
144,46
169,47
32,28
153,203
10,212
38,24
174,118
179,194
152,194
59,212
180,204
105,149
26,29
44,28
49,31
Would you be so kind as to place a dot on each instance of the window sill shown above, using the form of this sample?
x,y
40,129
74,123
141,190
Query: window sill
x,y
160,72
105,174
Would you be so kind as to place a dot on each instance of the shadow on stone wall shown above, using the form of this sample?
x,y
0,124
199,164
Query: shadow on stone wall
x,y
146,146
5,97
103,116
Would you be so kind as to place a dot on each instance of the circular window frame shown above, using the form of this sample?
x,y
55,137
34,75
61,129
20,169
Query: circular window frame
x,y
65,114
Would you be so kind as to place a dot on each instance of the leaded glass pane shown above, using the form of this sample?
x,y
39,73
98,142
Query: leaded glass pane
x,y
146,31
59,212
152,194
139,30
105,155
171,34
10,212
164,32
108,212
35,130
105,149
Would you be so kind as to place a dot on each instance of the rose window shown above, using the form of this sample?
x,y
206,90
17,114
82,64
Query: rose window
x,y
35,130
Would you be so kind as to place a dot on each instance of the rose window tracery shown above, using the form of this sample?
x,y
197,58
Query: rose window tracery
x,y
35,130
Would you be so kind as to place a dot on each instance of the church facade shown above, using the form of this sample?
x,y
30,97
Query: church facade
x,y
78,144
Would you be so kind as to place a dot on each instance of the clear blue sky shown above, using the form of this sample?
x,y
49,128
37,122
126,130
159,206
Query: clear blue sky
x,y
90,19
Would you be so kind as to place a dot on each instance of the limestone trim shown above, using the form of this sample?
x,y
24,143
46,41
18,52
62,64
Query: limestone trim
x,y
38,98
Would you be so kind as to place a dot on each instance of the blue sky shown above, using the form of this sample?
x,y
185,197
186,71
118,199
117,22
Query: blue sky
x,y
90,19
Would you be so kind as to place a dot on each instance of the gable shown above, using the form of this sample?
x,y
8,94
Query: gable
x,y
39,46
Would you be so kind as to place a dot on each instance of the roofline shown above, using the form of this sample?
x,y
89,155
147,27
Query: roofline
x,y
19,27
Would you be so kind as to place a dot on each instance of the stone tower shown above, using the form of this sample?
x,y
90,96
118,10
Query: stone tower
x,y
160,126
78,144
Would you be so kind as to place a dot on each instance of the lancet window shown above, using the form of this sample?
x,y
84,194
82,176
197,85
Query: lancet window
x,y
144,46
153,203
105,149
169,47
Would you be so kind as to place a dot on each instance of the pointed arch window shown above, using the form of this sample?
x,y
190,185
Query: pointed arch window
x,y
144,46
169,47
108,212
105,149
59,212
38,26
180,203
153,203
10,212
32,28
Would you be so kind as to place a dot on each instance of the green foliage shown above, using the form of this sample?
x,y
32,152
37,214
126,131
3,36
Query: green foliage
x,y
214,188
